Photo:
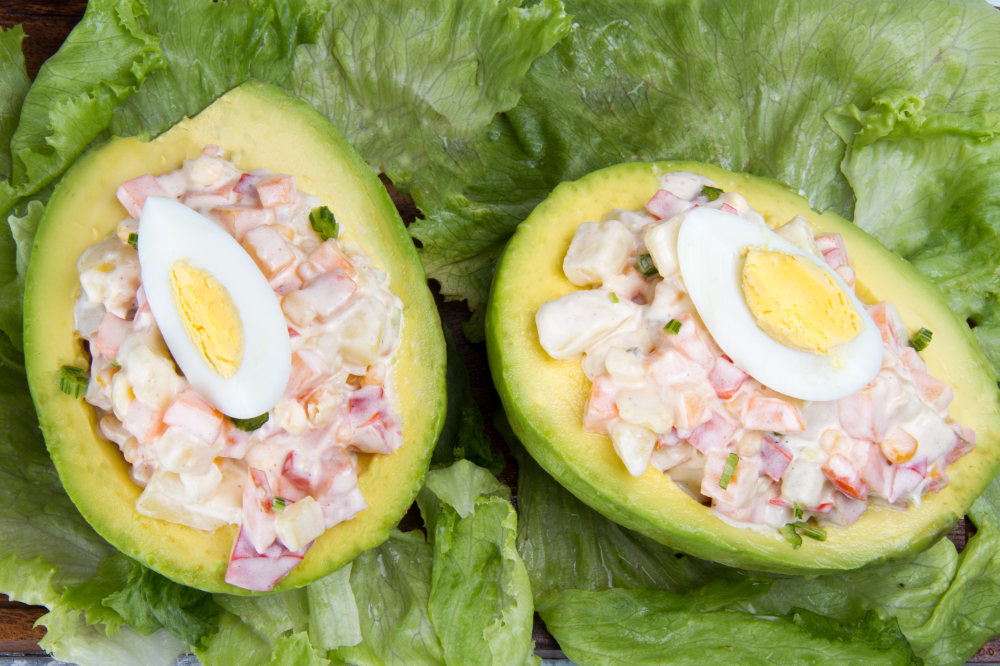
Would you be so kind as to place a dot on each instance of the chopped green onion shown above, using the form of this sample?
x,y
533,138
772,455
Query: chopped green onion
x,y
133,240
73,380
644,264
805,529
251,424
278,504
921,339
797,510
710,193
324,223
788,531
673,327
633,350
730,469
613,296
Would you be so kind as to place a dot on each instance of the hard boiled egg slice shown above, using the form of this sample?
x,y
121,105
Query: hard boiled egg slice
x,y
219,317
780,313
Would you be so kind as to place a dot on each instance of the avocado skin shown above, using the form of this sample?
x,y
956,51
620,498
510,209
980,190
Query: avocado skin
x,y
261,127
544,397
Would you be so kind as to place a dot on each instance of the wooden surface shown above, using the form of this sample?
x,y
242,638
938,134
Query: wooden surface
x,y
47,24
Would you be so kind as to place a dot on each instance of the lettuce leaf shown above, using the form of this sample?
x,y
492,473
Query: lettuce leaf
x,y
14,82
401,82
669,79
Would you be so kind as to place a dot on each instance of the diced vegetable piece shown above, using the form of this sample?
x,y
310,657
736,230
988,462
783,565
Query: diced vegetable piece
x,y
324,223
597,252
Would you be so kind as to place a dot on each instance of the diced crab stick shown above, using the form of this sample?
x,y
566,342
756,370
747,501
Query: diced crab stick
x,y
726,378
833,249
864,414
276,191
143,421
375,430
965,442
888,323
319,298
935,392
257,571
327,256
600,409
133,193
772,415
269,249
877,473
774,458
110,334
741,485
689,342
906,479
192,413
847,510
665,204
716,433
239,221
258,517
842,472
308,371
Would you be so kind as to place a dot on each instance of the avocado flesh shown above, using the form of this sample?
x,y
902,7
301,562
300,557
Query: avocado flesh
x,y
261,127
544,397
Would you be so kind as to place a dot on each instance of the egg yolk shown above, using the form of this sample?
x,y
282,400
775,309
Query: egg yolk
x,y
210,318
796,302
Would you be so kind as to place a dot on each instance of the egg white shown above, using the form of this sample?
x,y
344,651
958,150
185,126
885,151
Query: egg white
x,y
711,247
169,232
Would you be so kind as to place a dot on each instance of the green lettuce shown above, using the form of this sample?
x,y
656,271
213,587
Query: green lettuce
x,y
668,79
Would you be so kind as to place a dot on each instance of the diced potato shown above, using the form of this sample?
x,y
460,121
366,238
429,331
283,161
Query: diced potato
x,y
798,231
597,252
624,367
109,275
661,243
645,408
633,444
575,322
160,500
180,451
299,523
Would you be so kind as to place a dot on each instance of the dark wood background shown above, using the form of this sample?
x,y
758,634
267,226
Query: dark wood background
x,y
46,25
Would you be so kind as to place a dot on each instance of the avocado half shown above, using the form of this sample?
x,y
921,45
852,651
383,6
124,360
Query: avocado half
x,y
261,127
544,397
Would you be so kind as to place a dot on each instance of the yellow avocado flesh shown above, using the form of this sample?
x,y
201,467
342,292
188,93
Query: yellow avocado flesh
x,y
544,397
261,127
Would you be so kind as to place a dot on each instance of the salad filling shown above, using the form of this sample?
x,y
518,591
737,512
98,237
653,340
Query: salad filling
x,y
738,360
288,473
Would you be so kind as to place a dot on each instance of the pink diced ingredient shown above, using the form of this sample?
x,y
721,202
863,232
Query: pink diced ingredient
x,y
965,442
276,191
193,414
375,430
689,342
772,415
213,151
715,433
133,193
258,517
846,476
726,208
833,249
246,186
110,334
142,421
774,458
937,394
864,414
726,378
742,483
600,408
906,479
240,220
887,321
911,359
846,274
285,282
269,249
847,510
235,441
666,204
327,256
877,473
260,571
308,371
319,298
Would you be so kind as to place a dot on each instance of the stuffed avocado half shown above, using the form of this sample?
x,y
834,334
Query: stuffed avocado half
x,y
546,398
259,127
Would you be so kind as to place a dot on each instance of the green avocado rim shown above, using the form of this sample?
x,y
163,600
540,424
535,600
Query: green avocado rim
x,y
544,397
261,127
